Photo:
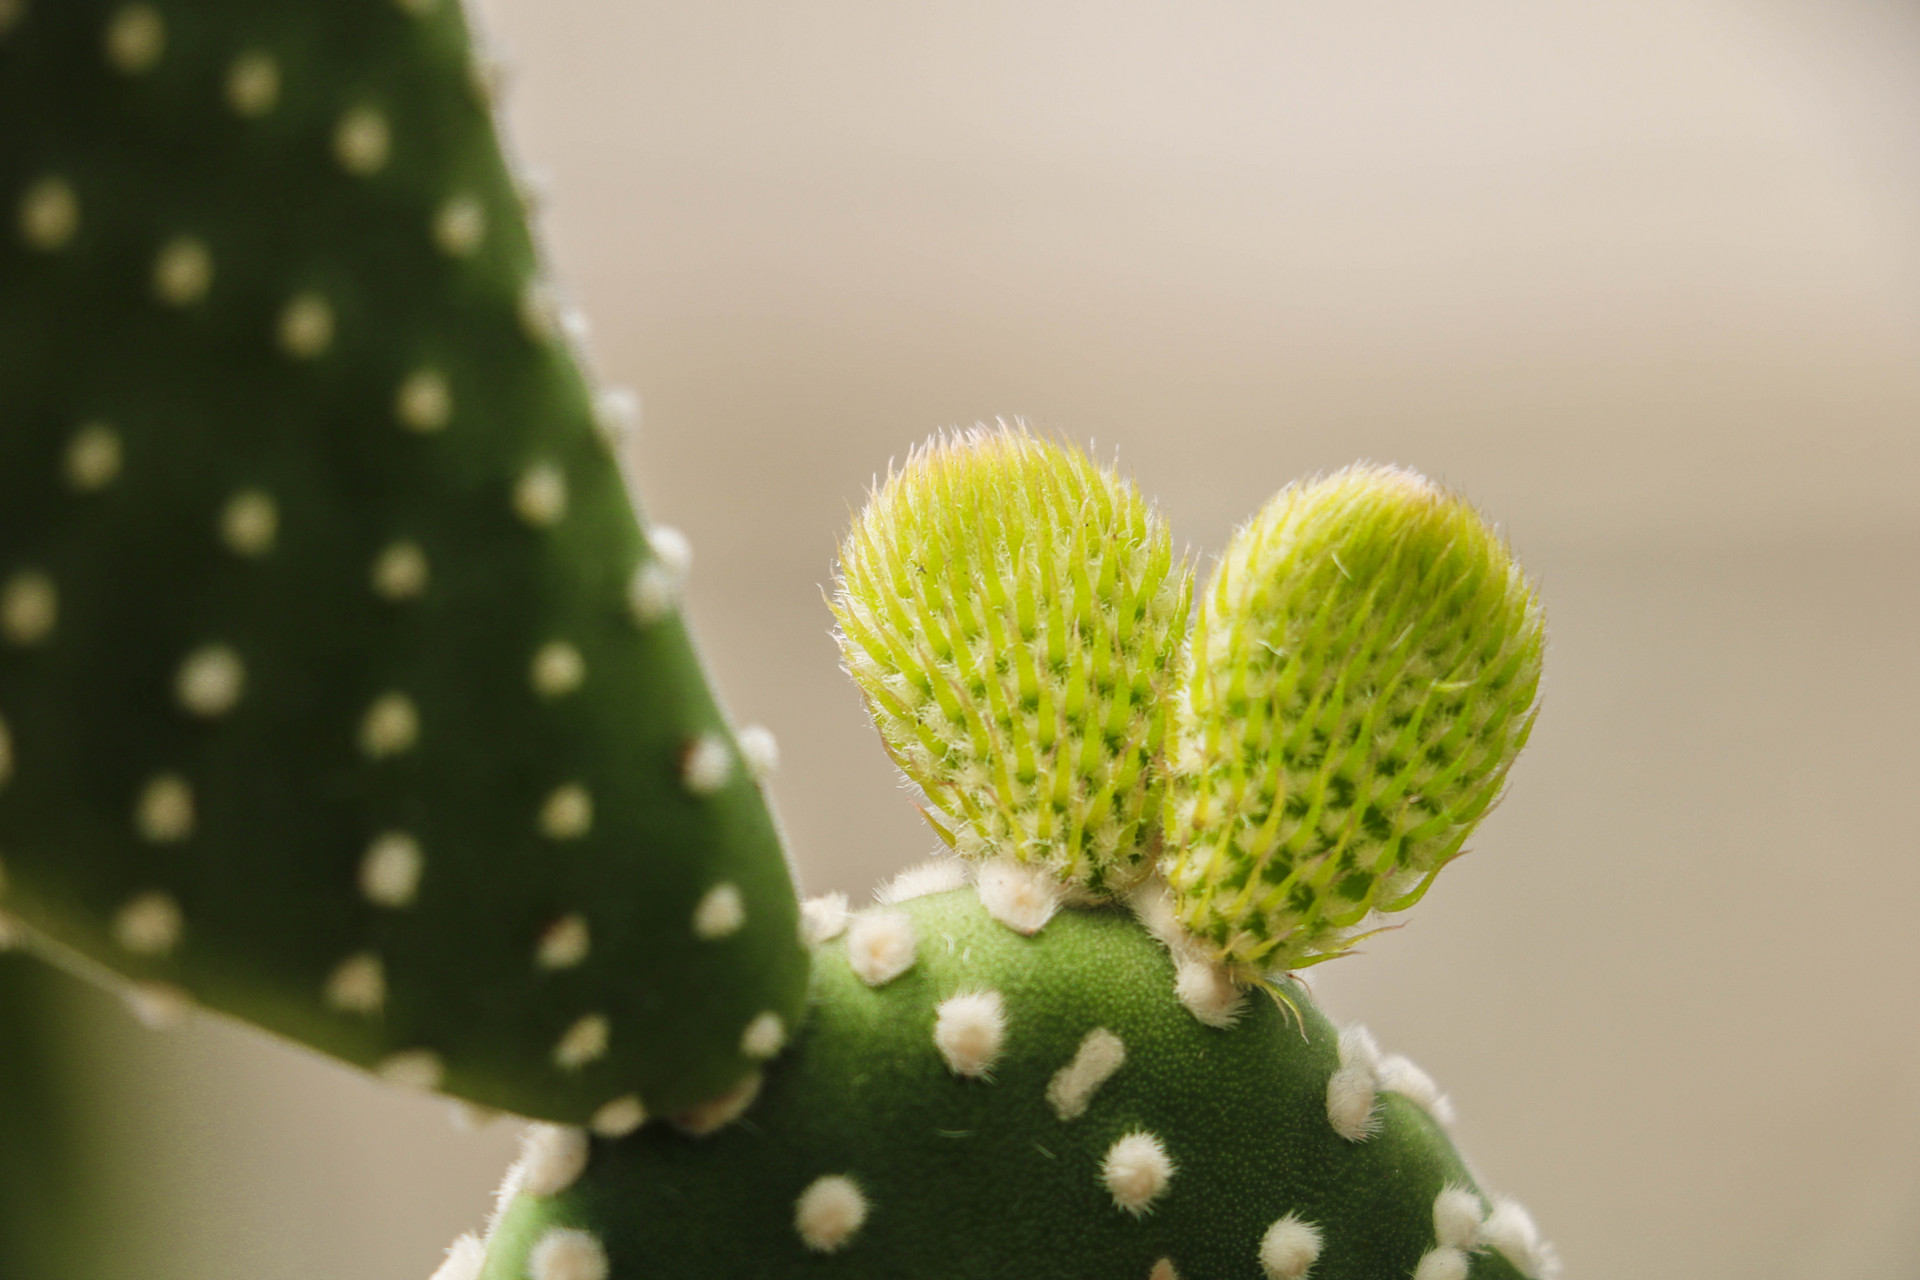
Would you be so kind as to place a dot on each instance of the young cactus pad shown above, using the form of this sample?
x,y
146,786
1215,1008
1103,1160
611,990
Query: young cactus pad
x,y
1363,671
339,687
1027,1106
1011,611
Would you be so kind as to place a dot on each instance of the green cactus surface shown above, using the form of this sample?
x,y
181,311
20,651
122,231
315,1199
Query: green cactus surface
x,y
340,688
1039,1105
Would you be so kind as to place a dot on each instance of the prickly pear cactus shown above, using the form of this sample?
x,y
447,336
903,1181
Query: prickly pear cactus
x,y
339,686
1041,1074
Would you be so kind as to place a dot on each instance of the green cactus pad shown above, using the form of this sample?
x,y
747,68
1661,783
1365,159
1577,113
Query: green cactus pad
x,y
1028,1106
1363,671
1011,611
339,686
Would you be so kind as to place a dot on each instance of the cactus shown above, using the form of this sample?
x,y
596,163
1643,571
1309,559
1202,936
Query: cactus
x,y
342,691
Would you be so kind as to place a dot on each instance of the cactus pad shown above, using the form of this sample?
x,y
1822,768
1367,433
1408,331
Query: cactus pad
x,y
339,686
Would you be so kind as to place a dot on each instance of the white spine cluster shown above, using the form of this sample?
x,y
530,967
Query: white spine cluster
x,y
390,727
164,811
1208,991
93,457
970,1030
567,813
1020,897
1399,1074
1289,1248
358,984
361,141
253,84
1443,1263
557,669
707,765
210,681
424,402
938,875
1353,1088
881,945
552,1157
149,924
1456,1218
29,607
619,1117
1136,1171
413,1069
249,523
1510,1229
721,913
823,919
583,1042
829,1213
306,326
49,215
391,868
564,944
764,1037
568,1253
759,751
1072,1088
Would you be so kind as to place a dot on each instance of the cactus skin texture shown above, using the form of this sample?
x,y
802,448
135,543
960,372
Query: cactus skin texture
x,y
339,686
1364,670
982,1177
1011,611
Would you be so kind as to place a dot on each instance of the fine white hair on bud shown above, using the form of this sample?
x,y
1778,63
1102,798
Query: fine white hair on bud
x,y
148,924
1101,1053
1021,897
159,1006
1208,991
557,669
93,457
399,571
391,726
413,1069
764,1037
466,1257
970,1030
567,813
620,1117
1351,1094
1456,1218
568,1253
29,607
49,215
249,523
721,913
1400,1074
306,326
136,39
759,751
1289,1248
552,1157
1136,1171
717,1113
823,919
540,495
424,402
362,141
210,681
390,869
1510,1230
881,945
583,1042
357,984
164,811
937,875
829,1213
564,943
706,765
1443,1263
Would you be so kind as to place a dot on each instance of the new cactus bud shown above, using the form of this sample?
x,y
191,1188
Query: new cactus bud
x,y
1363,671
1012,612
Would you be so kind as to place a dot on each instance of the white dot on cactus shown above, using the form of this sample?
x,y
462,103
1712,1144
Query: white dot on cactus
x,y
1208,991
158,1006
937,875
460,226
616,413
390,726
706,764
568,1253
764,1037
424,402
1443,1263
823,918
1401,1075
148,924
253,84
1136,1171
466,1258
537,311
557,669
652,593
1359,1050
829,1213
357,984
1101,1053
540,495
717,1113
1163,1270
1456,1218
469,1117
29,607
1020,897
759,751
413,1069
1510,1230
210,681
564,944
721,913
881,945
552,1158
182,272
400,571
306,326
1350,1103
1289,1248
619,1118
249,523
136,38
567,813
390,870
49,215
671,548
574,323
361,141
970,1031
164,811
583,1042
93,457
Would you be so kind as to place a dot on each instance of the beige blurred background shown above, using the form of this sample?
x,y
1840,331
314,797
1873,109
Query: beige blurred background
x,y
1641,278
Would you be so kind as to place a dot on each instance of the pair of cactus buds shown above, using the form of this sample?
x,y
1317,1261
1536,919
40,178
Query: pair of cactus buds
x,y
1297,756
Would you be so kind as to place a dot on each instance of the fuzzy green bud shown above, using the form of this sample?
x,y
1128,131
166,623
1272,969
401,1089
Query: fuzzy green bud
x,y
1364,669
1013,613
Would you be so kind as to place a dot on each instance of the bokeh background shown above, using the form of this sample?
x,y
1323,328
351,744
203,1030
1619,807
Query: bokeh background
x,y
1643,279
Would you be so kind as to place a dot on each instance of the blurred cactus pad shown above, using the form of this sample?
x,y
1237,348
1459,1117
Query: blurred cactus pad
x,y
340,686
